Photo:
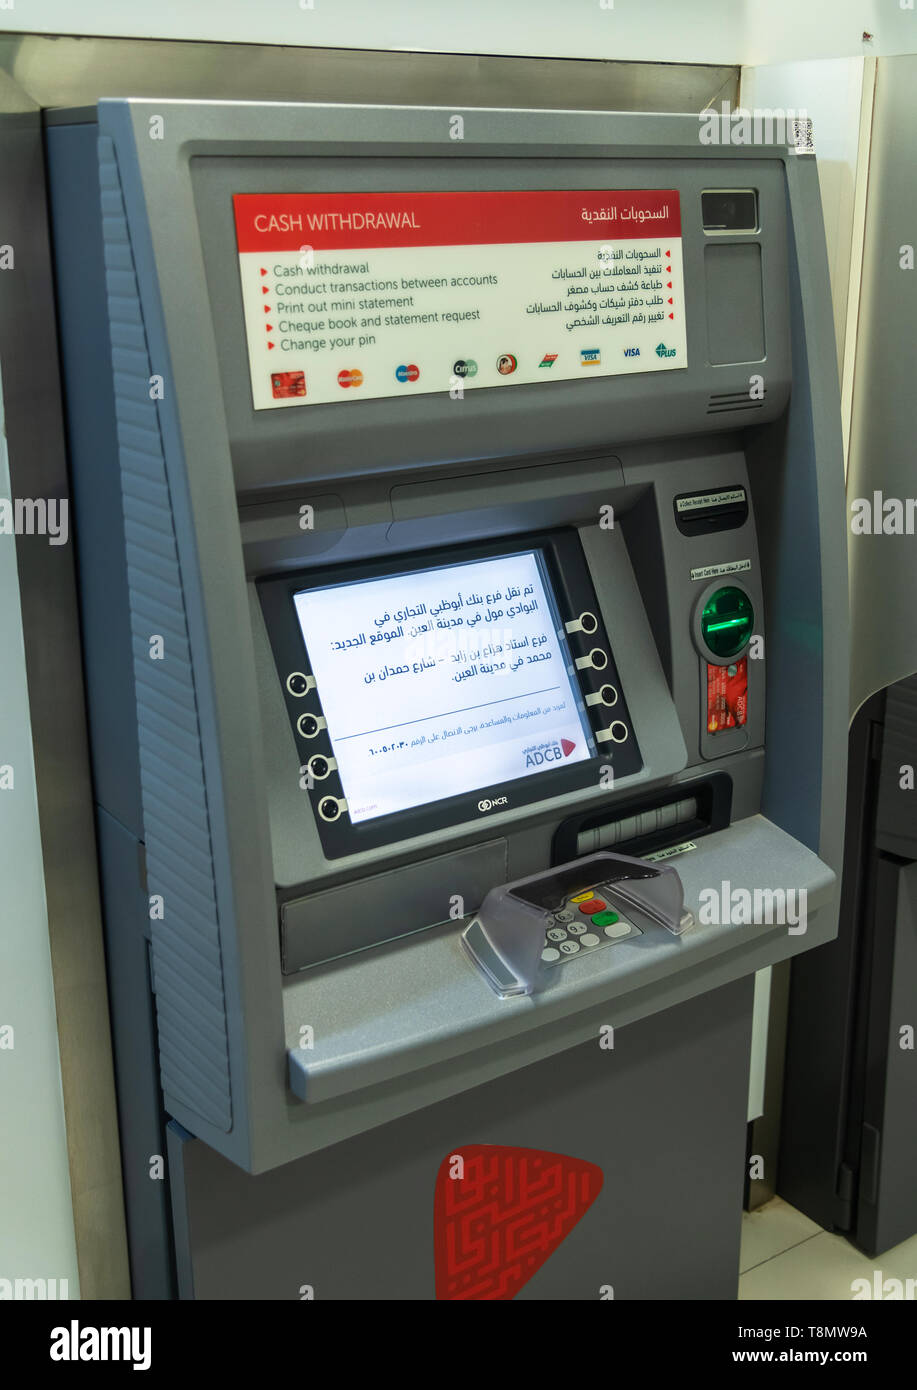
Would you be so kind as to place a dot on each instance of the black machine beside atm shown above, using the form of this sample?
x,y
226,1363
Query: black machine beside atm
x,y
461,547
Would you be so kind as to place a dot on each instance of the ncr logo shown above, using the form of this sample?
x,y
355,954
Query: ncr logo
x,y
549,753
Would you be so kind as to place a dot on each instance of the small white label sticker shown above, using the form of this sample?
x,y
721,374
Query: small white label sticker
x,y
667,853
710,499
711,571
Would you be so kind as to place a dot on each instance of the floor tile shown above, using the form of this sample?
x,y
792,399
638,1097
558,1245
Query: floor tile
x,y
823,1267
772,1229
900,1261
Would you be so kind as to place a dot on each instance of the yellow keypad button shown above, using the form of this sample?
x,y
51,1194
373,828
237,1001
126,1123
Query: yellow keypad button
x,y
582,897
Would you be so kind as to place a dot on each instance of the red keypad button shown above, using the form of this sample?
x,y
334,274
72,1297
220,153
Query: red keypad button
x,y
593,905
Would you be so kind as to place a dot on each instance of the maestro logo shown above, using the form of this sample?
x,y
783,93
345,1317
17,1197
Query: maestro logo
x,y
407,373
506,364
488,805
465,367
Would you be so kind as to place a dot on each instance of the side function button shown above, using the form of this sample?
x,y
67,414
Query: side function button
x,y
300,684
320,767
586,622
617,732
607,696
597,660
308,725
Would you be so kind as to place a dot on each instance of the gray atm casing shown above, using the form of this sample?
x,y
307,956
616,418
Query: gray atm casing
x,y
211,493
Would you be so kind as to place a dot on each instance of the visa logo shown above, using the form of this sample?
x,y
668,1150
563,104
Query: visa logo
x,y
631,352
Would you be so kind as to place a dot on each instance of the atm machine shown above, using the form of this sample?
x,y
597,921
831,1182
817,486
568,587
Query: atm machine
x,y
459,513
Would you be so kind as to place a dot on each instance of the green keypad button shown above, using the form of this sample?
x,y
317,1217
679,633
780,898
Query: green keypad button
x,y
605,919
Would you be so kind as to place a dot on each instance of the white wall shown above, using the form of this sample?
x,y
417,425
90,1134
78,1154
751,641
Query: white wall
x,y
36,1220
784,31
649,30
830,92
664,31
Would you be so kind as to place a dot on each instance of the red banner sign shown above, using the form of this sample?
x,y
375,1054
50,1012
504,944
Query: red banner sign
x,y
354,221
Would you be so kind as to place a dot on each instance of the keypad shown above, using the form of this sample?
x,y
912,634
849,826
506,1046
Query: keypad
x,y
584,923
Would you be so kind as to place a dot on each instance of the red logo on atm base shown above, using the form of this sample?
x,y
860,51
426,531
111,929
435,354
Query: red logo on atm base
x,y
351,377
567,747
500,1213
287,384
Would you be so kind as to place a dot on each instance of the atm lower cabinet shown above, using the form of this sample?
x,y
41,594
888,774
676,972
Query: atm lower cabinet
x,y
600,1172
449,514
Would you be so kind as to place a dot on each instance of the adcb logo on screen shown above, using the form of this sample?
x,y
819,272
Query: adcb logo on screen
x,y
500,1213
549,753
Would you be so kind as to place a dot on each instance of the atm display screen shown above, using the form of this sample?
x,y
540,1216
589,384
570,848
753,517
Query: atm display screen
x,y
436,682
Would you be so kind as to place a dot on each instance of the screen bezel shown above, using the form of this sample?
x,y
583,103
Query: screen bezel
x,y
567,574
455,568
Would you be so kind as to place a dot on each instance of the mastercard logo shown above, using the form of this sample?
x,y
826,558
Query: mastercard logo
x,y
351,377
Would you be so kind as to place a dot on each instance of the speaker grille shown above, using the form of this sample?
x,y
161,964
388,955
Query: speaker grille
x,y
734,400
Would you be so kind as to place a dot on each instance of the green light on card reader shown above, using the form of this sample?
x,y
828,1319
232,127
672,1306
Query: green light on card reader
x,y
727,620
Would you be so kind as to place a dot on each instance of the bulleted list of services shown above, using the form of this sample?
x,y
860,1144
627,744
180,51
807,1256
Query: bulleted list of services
x,y
364,296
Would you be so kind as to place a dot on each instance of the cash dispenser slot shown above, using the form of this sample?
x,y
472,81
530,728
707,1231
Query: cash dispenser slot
x,y
643,824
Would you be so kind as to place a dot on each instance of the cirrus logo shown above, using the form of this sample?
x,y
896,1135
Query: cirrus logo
x,y
488,805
